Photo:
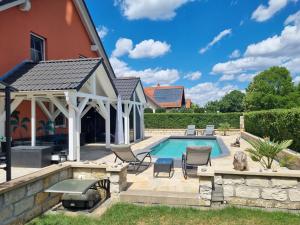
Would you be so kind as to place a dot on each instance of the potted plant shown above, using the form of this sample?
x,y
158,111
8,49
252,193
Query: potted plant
x,y
19,124
46,126
224,127
265,152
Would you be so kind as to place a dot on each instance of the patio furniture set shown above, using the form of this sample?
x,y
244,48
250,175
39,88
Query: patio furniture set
x,y
193,157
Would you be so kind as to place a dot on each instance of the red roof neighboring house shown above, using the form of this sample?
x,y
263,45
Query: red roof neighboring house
x,y
166,96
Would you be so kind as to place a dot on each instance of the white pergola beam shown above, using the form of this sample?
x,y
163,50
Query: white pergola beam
x,y
15,103
107,125
44,109
59,105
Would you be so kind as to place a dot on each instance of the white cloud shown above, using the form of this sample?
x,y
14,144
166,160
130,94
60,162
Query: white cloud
x,y
227,77
246,77
216,39
245,64
102,31
149,9
297,80
149,49
235,54
145,49
208,91
123,46
193,75
279,50
149,75
263,13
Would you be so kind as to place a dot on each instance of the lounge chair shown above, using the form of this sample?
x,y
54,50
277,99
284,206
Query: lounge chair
x,y
191,130
125,154
195,156
209,130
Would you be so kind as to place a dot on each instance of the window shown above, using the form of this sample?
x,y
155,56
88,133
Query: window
x,y
37,48
60,121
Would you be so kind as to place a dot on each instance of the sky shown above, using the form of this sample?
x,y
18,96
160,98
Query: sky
x,y
209,46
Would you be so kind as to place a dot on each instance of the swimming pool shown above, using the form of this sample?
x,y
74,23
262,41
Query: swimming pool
x,y
174,147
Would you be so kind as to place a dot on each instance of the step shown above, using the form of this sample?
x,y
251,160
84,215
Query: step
x,y
217,194
160,197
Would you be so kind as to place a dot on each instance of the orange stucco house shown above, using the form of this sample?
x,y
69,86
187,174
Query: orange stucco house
x,y
51,53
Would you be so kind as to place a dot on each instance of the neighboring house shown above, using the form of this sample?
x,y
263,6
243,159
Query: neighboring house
x,y
51,53
167,97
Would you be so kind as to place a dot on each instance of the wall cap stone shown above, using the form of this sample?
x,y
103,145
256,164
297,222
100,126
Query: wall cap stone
x,y
285,173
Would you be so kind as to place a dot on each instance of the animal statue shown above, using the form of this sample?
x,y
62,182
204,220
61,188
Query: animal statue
x,y
240,161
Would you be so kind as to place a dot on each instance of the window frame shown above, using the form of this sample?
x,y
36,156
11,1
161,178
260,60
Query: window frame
x,y
44,44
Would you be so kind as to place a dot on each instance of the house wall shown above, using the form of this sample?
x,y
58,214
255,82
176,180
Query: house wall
x,y
58,22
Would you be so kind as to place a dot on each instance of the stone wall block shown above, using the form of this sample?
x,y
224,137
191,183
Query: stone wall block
x,y
35,187
284,182
114,178
51,180
218,180
65,174
14,195
51,202
82,173
229,179
6,213
115,188
228,191
247,192
276,194
294,195
41,197
257,182
23,205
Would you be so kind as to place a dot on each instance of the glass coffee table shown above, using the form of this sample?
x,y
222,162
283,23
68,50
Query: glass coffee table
x,y
163,165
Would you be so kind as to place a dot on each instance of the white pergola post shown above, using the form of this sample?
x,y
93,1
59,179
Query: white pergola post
x,y
72,127
126,124
107,125
33,121
78,131
142,122
134,118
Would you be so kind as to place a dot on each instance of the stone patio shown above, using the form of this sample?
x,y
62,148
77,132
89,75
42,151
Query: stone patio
x,y
145,180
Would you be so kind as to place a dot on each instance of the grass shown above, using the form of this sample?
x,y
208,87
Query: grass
x,y
127,214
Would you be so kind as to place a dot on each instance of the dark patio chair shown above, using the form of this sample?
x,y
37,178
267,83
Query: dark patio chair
x,y
195,156
125,154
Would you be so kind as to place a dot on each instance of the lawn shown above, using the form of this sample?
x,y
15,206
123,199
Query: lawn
x,y
123,214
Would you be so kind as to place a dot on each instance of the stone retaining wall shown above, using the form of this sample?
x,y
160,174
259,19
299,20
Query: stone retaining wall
x,y
261,191
24,198
180,132
265,189
294,156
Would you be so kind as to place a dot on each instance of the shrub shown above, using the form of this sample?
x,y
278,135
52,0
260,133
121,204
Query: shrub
x,y
181,120
265,152
160,110
224,127
148,110
279,125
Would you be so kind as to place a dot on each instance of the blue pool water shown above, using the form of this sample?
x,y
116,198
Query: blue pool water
x,y
174,148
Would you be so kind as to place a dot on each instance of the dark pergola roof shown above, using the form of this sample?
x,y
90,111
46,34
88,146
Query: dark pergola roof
x,y
52,75
126,86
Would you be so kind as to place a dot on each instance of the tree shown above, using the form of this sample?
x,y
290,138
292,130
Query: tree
x,y
232,102
272,88
212,106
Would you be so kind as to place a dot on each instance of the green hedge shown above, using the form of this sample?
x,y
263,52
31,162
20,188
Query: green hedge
x,y
181,120
280,124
